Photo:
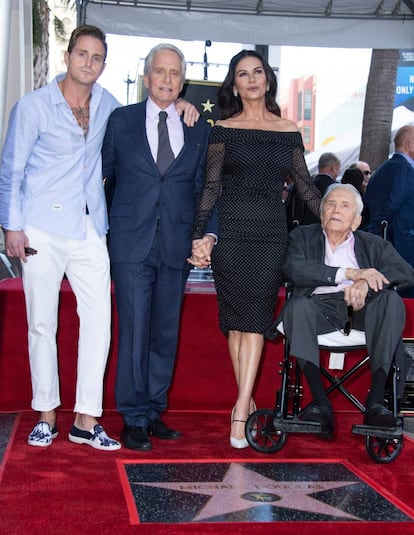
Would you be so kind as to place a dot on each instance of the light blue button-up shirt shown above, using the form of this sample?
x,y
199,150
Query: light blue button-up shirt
x,y
49,171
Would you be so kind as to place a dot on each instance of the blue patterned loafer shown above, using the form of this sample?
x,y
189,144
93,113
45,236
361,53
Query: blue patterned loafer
x,y
42,435
97,438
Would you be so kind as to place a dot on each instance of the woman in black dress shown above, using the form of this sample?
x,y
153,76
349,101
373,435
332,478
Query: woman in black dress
x,y
251,151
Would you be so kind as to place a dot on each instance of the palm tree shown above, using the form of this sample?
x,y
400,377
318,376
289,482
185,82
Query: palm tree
x,y
379,107
40,17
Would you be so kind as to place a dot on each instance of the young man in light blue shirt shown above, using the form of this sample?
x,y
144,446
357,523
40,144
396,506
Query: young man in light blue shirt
x,y
52,201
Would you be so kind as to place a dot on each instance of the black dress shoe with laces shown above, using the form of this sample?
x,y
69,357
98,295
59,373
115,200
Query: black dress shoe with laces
x,y
379,416
322,415
159,429
135,438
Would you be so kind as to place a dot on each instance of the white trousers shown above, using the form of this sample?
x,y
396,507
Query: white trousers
x,y
86,265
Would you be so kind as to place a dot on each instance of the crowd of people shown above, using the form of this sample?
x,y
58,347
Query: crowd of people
x,y
176,193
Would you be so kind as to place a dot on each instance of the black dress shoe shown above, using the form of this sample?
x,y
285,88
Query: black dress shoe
x,y
135,438
379,416
322,415
159,429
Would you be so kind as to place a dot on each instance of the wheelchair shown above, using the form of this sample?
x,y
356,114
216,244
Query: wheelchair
x,y
267,429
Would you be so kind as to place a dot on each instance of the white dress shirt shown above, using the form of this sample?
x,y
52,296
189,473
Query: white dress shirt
x,y
342,255
174,126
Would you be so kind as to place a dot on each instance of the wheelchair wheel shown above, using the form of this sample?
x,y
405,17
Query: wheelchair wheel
x,y
383,450
261,434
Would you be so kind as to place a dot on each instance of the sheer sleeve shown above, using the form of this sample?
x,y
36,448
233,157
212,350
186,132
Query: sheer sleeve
x,y
306,189
212,188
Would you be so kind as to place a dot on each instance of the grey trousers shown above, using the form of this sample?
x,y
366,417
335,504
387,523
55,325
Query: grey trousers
x,y
382,319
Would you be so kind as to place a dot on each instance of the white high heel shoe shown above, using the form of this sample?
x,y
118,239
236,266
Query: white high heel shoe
x,y
238,443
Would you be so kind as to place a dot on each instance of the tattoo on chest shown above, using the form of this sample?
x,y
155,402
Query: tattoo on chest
x,y
81,115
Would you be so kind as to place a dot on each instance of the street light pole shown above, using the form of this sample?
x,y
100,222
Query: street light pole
x,y
205,61
128,82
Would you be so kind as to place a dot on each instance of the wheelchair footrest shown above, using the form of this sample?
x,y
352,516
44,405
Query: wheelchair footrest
x,y
380,432
295,425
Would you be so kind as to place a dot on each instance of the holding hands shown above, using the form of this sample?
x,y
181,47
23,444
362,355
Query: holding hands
x,y
201,251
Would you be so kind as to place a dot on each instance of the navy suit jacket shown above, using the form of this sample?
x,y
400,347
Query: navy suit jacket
x,y
390,197
140,198
305,261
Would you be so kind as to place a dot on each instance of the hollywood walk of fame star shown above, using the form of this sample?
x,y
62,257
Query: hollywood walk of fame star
x,y
242,488
208,106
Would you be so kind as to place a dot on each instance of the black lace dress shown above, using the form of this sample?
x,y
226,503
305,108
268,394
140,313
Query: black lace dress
x,y
246,171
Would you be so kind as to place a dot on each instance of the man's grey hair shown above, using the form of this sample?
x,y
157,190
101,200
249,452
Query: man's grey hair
x,y
327,159
359,203
160,48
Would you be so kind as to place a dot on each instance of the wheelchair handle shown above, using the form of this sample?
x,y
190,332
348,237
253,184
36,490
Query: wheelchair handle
x,y
384,228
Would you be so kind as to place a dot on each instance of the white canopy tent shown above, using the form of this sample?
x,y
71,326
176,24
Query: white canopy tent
x,y
322,23
330,23
333,23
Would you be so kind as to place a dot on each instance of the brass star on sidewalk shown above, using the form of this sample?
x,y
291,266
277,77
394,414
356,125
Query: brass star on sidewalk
x,y
208,106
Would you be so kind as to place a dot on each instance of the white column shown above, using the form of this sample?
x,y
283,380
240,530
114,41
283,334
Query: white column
x,y
5,24
16,56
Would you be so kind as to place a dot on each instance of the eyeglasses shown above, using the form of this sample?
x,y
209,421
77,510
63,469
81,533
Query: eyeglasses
x,y
366,173
348,324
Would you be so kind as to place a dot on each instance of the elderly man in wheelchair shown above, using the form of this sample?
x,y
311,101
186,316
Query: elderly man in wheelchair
x,y
344,279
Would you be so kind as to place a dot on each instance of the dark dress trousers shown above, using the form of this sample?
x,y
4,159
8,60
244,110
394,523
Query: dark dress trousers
x,y
150,219
306,315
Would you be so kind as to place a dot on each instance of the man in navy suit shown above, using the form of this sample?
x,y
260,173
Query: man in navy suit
x,y
150,216
390,197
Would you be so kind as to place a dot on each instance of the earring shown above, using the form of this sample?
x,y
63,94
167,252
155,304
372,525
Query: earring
x,y
235,92
267,88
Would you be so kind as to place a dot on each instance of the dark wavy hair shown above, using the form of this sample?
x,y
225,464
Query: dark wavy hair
x,y
231,105
355,177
